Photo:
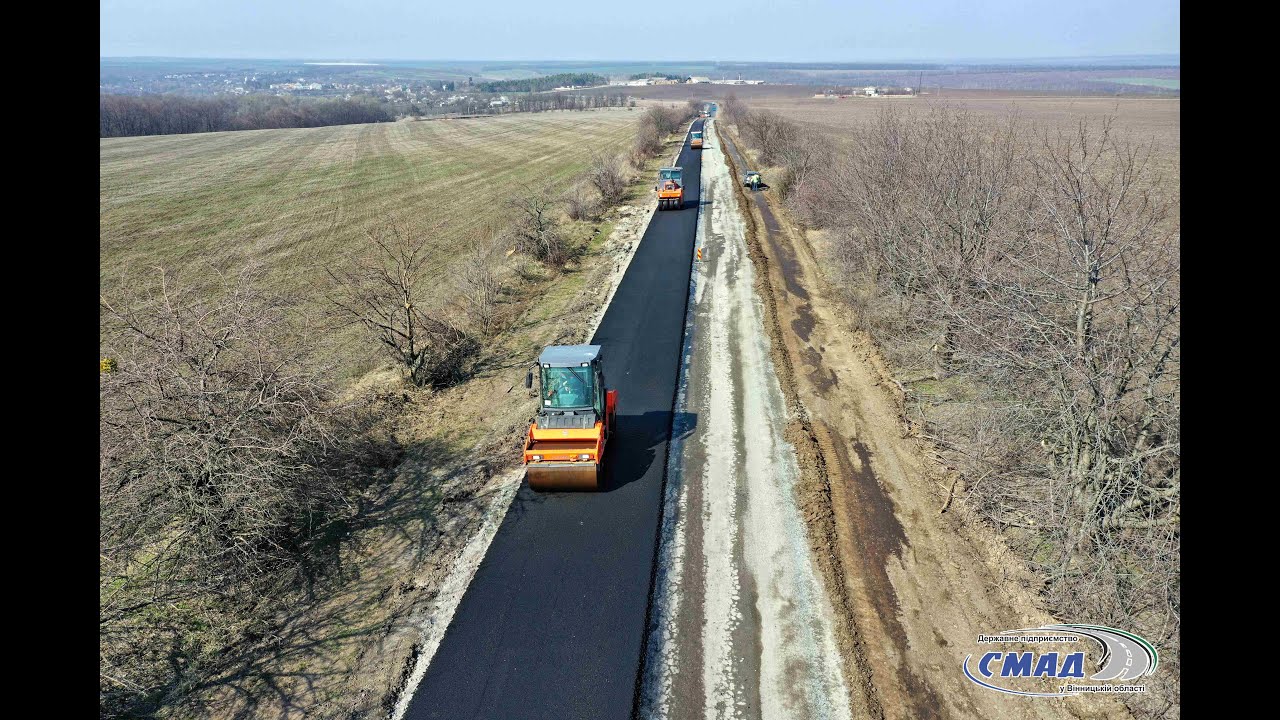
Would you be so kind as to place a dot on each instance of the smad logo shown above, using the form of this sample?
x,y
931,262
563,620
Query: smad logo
x,y
1120,656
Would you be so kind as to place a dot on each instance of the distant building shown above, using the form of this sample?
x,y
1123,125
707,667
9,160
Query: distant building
x,y
870,91
699,80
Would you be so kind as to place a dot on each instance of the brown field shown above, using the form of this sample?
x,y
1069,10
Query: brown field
x,y
1157,119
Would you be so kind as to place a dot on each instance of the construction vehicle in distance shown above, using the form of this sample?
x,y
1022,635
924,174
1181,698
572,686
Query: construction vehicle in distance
x,y
695,139
751,179
564,449
670,188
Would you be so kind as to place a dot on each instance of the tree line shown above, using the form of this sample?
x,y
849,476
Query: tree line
x,y
1024,281
128,115
544,83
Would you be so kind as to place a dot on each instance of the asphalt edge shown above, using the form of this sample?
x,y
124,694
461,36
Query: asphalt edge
x,y
677,400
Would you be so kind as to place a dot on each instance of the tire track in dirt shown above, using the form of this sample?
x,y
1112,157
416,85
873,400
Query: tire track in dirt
x,y
814,488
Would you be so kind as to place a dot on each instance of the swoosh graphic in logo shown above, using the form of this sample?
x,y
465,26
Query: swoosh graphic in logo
x,y
1126,656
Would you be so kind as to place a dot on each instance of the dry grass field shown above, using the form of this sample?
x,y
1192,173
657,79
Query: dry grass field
x,y
1155,119
294,200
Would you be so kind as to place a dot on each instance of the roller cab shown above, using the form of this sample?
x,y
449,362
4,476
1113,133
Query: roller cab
x,y
695,139
564,449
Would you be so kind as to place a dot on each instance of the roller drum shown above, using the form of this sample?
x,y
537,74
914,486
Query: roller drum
x,y
564,476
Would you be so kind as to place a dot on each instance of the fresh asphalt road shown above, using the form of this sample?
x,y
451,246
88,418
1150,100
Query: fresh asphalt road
x,y
553,622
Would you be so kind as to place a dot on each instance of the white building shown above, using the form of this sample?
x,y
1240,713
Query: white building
x,y
699,80
870,91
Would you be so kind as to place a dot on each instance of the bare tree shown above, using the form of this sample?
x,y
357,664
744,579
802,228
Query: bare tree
x,y
765,131
478,280
1083,316
648,144
580,203
607,176
536,230
732,108
387,289
802,154
1043,272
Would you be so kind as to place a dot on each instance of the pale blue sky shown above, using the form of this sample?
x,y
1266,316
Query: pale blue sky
x,y
748,30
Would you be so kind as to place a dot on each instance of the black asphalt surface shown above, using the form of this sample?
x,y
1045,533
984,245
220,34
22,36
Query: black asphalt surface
x,y
553,623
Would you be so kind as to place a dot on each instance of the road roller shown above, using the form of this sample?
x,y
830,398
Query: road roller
x,y
670,188
564,449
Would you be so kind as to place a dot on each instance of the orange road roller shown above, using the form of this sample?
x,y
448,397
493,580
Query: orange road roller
x,y
564,449
670,188
695,140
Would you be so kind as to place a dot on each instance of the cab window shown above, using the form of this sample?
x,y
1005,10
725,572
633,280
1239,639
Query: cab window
x,y
568,387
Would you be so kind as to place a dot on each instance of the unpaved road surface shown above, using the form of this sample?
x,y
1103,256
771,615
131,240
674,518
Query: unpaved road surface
x,y
741,623
912,587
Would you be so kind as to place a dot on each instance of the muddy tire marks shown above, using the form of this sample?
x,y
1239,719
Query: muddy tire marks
x,y
814,488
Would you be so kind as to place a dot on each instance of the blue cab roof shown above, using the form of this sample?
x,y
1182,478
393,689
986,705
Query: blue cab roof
x,y
568,355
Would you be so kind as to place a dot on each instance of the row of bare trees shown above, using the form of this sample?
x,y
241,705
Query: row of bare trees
x,y
1029,275
658,122
607,178
797,149
126,115
385,289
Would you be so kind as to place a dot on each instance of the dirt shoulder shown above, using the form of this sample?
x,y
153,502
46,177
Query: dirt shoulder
x,y
912,585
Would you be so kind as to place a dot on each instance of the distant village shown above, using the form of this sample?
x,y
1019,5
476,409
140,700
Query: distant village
x,y
869,91
464,95
691,80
